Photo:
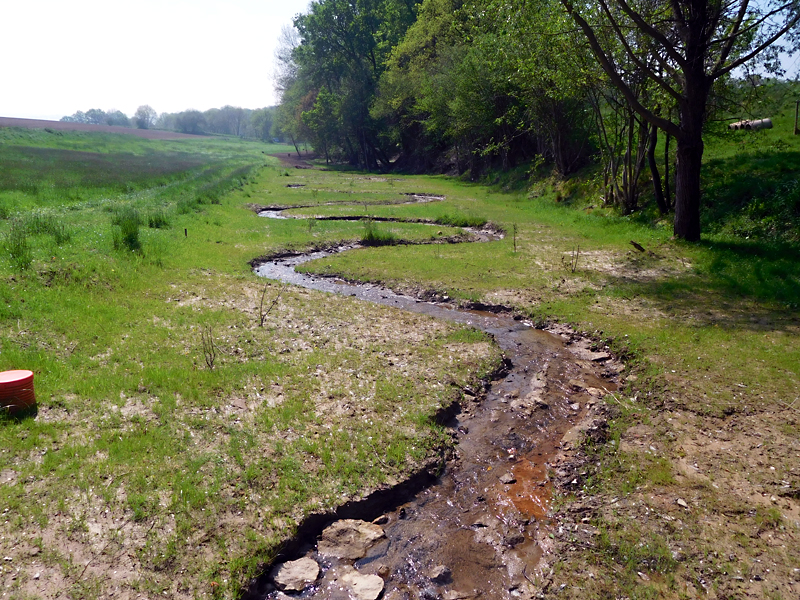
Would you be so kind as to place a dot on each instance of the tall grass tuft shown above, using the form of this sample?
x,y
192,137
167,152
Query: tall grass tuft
x,y
126,223
458,220
38,223
158,219
373,236
16,244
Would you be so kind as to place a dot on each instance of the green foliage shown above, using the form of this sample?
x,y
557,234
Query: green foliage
x,y
342,51
754,195
459,220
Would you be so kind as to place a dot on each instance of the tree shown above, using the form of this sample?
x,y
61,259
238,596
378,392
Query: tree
x,y
343,48
190,121
692,44
261,122
145,117
117,117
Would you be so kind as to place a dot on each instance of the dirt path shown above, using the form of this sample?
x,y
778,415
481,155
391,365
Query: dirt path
x,y
290,159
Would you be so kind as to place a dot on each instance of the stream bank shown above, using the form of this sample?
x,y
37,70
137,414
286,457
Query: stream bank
x,y
481,529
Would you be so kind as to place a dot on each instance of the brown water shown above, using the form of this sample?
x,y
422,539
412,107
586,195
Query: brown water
x,y
490,535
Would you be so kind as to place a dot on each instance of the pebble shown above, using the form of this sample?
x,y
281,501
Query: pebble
x,y
682,502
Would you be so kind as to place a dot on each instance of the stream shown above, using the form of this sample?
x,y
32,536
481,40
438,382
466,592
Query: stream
x,y
481,529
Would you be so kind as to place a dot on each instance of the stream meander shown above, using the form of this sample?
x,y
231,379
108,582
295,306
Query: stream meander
x,y
481,530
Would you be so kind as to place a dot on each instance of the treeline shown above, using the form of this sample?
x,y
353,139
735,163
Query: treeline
x,y
256,124
469,86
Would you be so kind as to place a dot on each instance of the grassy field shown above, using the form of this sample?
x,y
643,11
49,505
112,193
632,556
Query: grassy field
x,y
711,333
177,441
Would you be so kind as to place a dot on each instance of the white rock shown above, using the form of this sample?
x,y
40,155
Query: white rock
x,y
296,575
362,587
349,538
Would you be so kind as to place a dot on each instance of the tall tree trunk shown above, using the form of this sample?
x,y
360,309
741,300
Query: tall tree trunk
x,y
656,176
667,194
690,158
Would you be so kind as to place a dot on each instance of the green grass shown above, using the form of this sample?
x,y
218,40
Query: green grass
x,y
105,292
108,281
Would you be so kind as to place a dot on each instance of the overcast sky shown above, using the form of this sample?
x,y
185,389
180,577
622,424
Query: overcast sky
x,y
63,56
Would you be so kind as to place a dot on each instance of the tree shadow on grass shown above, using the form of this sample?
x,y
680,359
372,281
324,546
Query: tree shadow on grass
x,y
739,284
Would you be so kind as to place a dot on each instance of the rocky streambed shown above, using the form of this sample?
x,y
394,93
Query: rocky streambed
x,y
480,528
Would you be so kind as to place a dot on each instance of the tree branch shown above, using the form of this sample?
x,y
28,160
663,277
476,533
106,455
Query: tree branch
x,y
760,48
608,67
654,33
632,55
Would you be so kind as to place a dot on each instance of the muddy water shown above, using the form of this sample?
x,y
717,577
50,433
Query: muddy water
x,y
485,519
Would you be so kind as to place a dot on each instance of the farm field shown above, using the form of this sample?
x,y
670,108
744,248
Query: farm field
x,y
190,413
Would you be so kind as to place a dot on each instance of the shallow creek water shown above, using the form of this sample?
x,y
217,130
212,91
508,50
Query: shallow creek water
x,y
489,535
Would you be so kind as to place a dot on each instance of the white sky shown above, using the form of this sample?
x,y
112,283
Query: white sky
x,y
62,56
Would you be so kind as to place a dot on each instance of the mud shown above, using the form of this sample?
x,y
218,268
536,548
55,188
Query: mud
x,y
485,518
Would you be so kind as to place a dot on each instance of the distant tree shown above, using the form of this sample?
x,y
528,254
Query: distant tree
x,y
261,122
166,121
145,117
190,121
95,116
78,117
117,117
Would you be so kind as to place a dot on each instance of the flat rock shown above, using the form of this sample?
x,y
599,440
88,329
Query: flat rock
x,y
296,575
362,587
349,538
441,574
508,478
577,385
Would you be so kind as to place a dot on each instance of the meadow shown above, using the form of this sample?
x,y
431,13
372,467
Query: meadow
x,y
181,432
178,441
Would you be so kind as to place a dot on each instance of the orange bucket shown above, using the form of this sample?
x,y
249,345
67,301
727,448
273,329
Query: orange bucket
x,y
16,391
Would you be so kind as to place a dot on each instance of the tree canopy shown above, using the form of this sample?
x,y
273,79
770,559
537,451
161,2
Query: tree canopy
x,y
472,85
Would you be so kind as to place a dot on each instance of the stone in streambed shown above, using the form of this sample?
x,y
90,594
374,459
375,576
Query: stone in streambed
x,y
508,479
441,574
349,538
295,575
362,587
